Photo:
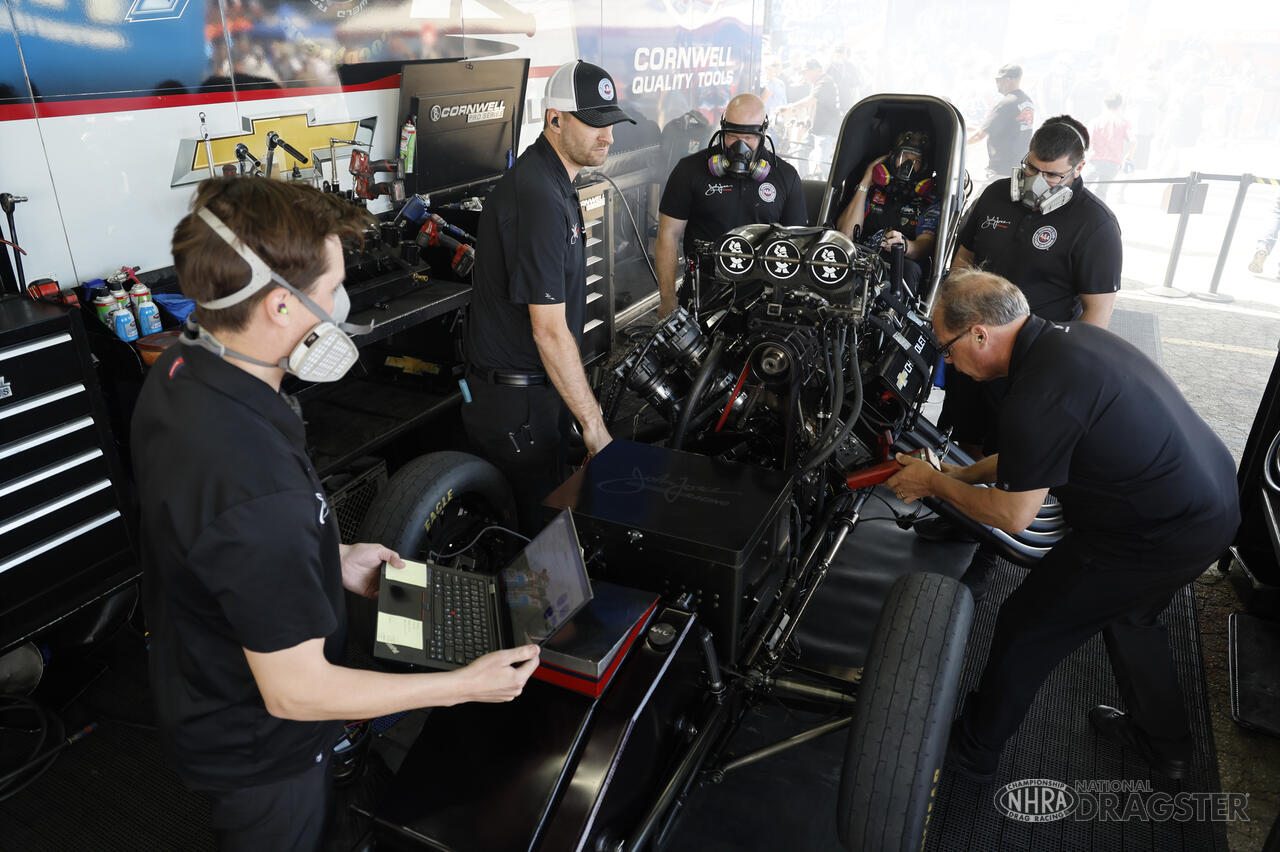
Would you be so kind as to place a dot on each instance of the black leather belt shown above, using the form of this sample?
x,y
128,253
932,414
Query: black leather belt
x,y
509,377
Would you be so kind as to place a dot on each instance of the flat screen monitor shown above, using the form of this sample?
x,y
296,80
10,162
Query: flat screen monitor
x,y
468,116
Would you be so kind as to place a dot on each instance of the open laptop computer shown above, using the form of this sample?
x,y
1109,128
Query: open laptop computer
x,y
443,618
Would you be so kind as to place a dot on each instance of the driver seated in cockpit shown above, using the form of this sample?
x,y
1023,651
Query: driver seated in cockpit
x,y
896,202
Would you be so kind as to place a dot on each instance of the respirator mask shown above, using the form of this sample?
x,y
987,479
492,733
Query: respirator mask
x,y
739,160
1034,191
909,155
324,354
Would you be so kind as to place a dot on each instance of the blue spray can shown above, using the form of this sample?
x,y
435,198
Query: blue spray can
x,y
122,323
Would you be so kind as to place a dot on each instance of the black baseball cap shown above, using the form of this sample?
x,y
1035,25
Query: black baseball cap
x,y
1010,70
588,92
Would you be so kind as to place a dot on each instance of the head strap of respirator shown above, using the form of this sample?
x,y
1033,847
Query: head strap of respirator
x,y
1035,192
325,352
738,160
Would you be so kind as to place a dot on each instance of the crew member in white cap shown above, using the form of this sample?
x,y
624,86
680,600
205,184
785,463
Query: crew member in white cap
x,y
524,367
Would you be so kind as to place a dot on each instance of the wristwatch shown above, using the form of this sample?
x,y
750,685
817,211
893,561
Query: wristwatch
x,y
862,187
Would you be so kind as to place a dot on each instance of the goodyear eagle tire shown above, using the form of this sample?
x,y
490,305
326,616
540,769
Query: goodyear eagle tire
x,y
898,738
436,502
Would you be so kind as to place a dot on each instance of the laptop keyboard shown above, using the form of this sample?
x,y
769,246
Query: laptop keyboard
x,y
459,626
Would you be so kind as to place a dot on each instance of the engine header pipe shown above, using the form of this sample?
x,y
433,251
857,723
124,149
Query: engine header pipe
x,y
696,392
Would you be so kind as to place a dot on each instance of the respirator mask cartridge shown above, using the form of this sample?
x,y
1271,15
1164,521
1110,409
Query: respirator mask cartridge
x,y
324,354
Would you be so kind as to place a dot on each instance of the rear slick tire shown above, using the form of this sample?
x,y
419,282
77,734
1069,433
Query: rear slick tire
x,y
906,701
420,508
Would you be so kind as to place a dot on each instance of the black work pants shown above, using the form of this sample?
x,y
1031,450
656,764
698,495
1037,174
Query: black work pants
x,y
524,432
1071,595
288,815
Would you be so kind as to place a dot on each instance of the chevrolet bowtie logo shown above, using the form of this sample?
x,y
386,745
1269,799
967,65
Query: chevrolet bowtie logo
x,y
300,131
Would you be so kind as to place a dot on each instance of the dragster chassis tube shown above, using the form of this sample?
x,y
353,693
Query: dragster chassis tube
x,y
734,701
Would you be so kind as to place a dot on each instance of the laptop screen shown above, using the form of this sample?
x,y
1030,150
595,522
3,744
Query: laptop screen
x,y
546,584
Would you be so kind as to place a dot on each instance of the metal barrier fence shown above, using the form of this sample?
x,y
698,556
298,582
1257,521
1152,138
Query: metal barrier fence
x,y
1244,181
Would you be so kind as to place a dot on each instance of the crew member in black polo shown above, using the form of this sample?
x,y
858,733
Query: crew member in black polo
x,y
1060,244
734,181
243,573
1007,127
1147,488
529,296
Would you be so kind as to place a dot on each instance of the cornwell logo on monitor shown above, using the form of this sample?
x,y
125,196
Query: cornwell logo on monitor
x,y
478,111
1106,800
300,132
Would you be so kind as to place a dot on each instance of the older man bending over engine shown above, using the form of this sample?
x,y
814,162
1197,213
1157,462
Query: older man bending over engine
x,y
1147,488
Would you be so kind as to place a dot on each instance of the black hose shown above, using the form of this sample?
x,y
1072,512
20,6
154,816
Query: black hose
x,y
837,397
695,393
821,455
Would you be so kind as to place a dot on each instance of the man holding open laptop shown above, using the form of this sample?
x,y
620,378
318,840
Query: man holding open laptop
x,y
243,571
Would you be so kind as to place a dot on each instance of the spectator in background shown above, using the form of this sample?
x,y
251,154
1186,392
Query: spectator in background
x,y
1008,125
1112,144
1267,241
773,89
845,74
823,104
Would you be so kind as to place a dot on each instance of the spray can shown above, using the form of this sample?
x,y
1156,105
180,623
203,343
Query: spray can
x,y
118,293
408,144
148,318
139,293
103,304
123,324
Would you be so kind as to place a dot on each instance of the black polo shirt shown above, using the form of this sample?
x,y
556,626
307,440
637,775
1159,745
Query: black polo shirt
x,y
826,109
1053,257
1137,471
239,550
712,205
530,250
1008,128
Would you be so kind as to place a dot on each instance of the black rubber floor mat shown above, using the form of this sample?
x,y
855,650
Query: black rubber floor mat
x,y
1255,672
1055,743
1140,328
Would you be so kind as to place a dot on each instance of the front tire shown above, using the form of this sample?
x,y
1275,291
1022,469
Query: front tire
x,y
898,738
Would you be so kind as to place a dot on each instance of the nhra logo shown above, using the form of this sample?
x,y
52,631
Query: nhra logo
x,y
1045,237
1036,800
482,111
768,192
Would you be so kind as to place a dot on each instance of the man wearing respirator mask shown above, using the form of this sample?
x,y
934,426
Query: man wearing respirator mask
x,y
243,572
736,180
1042,229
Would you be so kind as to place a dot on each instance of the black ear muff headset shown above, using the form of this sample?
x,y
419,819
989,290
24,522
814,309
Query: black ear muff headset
x,y
735,160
